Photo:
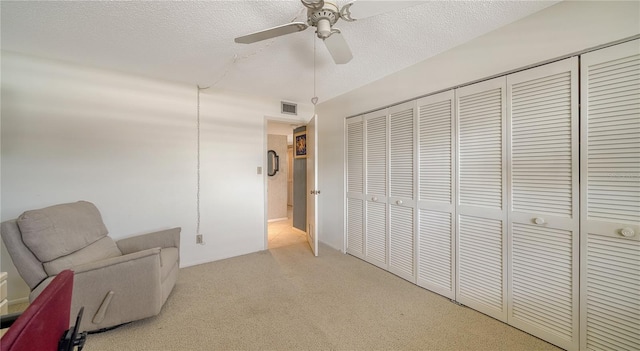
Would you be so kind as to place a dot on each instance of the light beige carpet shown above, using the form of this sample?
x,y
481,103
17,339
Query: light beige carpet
x,y
286,299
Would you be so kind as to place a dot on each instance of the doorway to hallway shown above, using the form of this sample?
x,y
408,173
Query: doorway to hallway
x,y
285,187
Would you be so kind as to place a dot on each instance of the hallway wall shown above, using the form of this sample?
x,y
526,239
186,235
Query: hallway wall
x,y
277,184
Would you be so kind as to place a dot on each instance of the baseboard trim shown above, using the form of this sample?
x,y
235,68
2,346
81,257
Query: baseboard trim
x,y
18,301
299,231
278,219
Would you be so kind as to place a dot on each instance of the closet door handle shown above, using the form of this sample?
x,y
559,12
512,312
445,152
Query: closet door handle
x,y
538,220
399,202
374,199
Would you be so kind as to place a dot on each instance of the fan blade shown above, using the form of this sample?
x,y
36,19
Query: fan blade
x,y
338,47
359,9
272,32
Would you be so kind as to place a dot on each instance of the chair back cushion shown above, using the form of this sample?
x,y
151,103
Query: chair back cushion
x,y
60,230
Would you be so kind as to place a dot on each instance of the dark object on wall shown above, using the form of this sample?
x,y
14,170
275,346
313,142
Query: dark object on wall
x,y
299,185
300,144
273,163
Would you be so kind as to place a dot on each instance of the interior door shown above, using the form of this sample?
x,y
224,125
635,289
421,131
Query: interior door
x,y
610,198
355,186
542,139
401,190
481,178
436,246
312,186
376,175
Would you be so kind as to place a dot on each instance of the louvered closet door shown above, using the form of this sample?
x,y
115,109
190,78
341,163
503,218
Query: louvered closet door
x,y
481,248
401,190
376,188
610,204
542,125
355,186
436,207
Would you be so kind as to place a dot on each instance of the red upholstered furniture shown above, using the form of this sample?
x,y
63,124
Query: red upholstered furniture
x,y
43,323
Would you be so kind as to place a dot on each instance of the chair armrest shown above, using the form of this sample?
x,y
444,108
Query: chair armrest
x,y
161,239
114,261
147,260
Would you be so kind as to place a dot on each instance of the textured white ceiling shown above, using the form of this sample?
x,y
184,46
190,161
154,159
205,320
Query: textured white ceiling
x,y
192,41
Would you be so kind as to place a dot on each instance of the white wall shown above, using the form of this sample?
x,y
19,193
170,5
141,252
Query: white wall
x,y
559,30
128,144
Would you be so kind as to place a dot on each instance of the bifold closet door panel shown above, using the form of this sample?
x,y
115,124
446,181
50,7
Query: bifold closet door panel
x,y
355,186
436,193
610,204
355,227
481,197
542,129
376,170
401,190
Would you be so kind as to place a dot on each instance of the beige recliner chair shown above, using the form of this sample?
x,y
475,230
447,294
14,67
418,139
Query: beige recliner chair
x,y
116,281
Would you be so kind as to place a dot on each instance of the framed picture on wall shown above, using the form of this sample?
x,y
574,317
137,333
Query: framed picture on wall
x,y
300,144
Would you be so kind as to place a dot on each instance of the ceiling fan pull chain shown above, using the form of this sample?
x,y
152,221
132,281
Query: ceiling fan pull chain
x,y
314,99
198,163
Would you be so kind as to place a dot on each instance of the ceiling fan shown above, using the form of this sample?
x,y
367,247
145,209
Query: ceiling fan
x,y
323,14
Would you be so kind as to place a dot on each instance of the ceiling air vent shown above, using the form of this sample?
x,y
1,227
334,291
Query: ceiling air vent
x,y
288,108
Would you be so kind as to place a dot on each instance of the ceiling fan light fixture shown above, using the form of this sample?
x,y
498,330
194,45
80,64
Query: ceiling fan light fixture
x,y
324,28
323,18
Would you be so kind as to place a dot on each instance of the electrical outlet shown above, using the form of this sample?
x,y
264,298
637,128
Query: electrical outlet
x,y
199,239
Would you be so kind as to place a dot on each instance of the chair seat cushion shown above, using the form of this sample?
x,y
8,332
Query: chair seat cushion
x,y
102,249
60,230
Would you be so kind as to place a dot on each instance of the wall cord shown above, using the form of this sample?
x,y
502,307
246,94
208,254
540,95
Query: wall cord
x,y
198,162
